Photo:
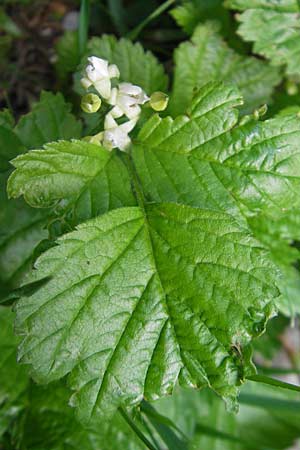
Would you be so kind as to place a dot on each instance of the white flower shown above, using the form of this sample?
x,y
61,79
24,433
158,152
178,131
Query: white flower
x,y
116,136
126,100
99,74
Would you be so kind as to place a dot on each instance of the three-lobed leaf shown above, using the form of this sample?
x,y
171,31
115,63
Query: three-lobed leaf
x,y
166,290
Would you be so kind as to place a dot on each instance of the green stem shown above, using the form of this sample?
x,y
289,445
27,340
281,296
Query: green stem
x,y
137,431
156,13
273,382
83,28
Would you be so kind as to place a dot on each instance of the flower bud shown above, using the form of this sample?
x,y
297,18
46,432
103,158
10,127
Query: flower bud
x,y
90,103
291,87
159,101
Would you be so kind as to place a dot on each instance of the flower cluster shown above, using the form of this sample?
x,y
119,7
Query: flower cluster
x,y
125,100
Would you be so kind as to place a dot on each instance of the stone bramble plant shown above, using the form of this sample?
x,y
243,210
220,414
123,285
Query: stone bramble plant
x,y
152,247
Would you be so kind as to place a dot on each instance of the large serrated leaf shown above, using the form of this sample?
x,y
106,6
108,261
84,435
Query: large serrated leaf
x,y
253,166
141,297
273,26
147,306
206,58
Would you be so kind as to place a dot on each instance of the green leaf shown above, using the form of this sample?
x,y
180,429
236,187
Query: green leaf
x,y
136,65
274,28
21,230
68,56
49,120
209,162
175,288
21,227
207,57
6,119
190,13
97,182
13,376
10,147
134,269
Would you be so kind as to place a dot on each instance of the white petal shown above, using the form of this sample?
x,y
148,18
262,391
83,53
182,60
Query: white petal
x,y
116,138
103,87
113,96
85,83
109,122
113,71
124,101
91,73
129,125
117,112
100,65
130,89
133,111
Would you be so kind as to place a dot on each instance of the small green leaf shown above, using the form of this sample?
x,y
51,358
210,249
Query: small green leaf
x,y
21,230
68,56
10,147
6,119
49,120
208,58
190,13
273,26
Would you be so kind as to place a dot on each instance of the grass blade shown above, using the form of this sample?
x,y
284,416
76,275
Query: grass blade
x,y
136,430
156,13
84,18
